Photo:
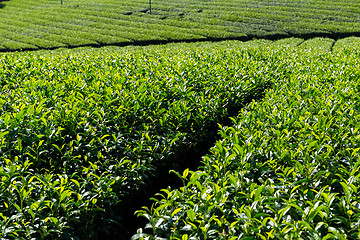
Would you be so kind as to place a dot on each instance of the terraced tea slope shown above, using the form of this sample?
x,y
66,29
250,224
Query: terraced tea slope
x,y
39,24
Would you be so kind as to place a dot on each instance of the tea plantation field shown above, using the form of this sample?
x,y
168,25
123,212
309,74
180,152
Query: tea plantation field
x,y
85,130
243,119
48,24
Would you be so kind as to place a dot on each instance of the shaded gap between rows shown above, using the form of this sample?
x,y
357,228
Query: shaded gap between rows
x,y
335,35
189,159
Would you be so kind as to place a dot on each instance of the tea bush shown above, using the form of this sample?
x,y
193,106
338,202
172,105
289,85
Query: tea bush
x,y
288,168
81,130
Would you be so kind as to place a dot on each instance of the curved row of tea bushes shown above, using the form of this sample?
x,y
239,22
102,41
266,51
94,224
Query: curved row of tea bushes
x,y
288,168
81,130
48,24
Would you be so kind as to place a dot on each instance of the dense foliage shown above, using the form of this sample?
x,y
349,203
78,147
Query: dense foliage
x,y
288,168
80,130
46,24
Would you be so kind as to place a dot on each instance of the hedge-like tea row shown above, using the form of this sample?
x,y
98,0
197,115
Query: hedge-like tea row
x,y
289,167
46,24
81,130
